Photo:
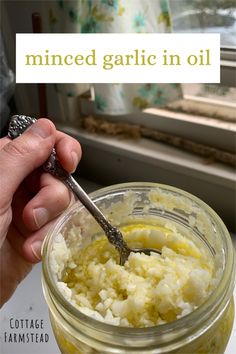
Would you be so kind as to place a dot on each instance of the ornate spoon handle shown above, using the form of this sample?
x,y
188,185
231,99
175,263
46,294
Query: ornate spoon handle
x,y
18,124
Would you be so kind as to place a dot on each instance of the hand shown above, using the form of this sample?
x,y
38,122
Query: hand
x,y
30,199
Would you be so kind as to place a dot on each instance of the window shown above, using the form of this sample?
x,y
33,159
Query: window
x,y
206,16
210,16
208,100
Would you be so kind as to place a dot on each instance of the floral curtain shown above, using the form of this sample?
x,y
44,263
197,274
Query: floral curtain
x,y
115,16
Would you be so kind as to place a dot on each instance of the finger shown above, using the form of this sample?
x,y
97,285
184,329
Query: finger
x,y
4,141
24,154
68,150
32,182
15,238
26,191
20,200
32,246
51,200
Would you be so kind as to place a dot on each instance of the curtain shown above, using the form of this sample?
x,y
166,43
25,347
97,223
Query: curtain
x,y
115,16
6,86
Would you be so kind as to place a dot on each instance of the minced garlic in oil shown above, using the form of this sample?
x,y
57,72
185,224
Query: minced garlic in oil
x,y
147,290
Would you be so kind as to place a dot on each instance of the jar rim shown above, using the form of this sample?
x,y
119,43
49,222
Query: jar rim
x,y
184,323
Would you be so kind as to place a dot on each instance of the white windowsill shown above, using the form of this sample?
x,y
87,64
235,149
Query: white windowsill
x,y
158,154
209,131
196,119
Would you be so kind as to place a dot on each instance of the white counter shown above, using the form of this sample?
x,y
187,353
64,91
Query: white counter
x,y
28,303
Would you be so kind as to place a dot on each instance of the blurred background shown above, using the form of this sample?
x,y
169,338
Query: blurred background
x,y
182,135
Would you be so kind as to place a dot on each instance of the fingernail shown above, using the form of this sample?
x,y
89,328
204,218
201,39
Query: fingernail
x,y
75,160
41,129
36,249
41,216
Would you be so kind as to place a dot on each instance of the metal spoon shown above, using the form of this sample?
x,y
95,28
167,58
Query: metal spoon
x,y
18,124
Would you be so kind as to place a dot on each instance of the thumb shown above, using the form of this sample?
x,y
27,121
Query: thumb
x,y
20,157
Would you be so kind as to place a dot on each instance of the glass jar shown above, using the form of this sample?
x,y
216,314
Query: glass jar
x,y
205,330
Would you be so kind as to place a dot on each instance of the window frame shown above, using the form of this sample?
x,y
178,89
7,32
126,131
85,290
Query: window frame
x,y
227,76
228,66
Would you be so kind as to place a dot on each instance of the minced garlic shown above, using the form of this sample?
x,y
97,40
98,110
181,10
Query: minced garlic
x,y
147,290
